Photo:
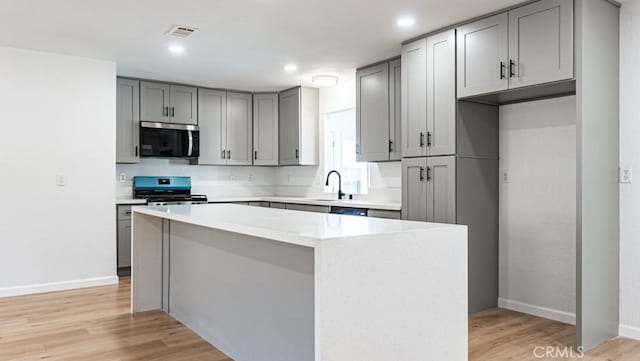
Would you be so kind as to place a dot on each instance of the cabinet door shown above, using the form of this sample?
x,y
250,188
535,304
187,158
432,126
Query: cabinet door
x,y
128,121
239,128
441,94
414,189
414,98
395,110
265,129
289,127
441,192
212,112
372,113
541,43
482,56
184,104
154,102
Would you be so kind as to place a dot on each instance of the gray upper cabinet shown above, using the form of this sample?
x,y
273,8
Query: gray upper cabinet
x,y
265,129
541,43
184,104
298,126
395,109
529,45
239,128
414,98
414,189
483,56
441,94
161,102
127,121
441,189
212,114
372,114
154,102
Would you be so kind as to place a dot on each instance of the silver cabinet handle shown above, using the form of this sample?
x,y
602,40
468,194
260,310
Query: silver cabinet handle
x,y
421,174
297,154
255,155
421,139
173,111
223,154
428,139
390,145
128,213
428,174
165,111
228,154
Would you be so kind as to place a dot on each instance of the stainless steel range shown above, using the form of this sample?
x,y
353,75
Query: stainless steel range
x,y
160,191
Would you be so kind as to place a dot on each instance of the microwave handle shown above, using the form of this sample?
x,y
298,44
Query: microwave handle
x,y
190,150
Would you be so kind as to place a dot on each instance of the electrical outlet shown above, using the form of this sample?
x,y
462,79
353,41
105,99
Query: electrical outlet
x,y
123,177
625,175
61,180
506,176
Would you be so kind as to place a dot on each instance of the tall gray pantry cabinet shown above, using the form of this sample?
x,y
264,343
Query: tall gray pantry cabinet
x,y
450,158
535,50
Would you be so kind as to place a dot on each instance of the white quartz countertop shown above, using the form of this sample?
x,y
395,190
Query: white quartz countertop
x,y
302,228
320,201
126,201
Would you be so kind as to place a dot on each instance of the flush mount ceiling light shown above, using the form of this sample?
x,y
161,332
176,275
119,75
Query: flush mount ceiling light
x,y
176,49
324,80
406,22
290,67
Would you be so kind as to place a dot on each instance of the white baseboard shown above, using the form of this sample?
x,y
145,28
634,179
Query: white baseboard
x,y
544,312
57,286
629,332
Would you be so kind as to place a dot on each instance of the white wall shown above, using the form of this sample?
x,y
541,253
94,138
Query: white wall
x,y
384,178
630,156
538,207
58,118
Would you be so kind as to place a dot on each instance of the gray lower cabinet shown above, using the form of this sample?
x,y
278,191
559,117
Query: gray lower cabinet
x,y
277,205
127,121
298,126
383,213
308,208
265,129
459,190
239,128
259,204
161,102
526,46
414,189
377,109
124,236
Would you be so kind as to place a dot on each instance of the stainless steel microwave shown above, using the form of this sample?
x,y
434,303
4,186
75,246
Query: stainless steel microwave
x,y
169,140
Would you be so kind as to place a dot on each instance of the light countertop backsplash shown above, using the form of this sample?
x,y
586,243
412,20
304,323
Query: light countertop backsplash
x,y
243,181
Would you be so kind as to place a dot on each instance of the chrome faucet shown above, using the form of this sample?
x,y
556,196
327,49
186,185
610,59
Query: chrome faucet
x,y
340,194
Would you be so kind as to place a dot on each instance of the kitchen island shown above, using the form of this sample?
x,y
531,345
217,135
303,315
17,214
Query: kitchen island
x,y
282,285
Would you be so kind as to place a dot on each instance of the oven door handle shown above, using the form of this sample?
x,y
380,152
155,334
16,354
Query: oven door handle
x,y
190,149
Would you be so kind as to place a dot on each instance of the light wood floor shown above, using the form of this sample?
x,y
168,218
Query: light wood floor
x,y
94,324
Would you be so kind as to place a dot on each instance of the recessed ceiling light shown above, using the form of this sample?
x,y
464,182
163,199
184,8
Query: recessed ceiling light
x,y
324,80
406,22
176,49
290,67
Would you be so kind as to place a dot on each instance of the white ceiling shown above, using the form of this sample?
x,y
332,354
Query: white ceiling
x,y
242,44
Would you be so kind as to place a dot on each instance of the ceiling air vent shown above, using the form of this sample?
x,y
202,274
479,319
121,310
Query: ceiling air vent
x,y
181,31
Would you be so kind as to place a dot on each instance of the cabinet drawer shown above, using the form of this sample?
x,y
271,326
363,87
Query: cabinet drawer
x,y
308,208
381,213
124,212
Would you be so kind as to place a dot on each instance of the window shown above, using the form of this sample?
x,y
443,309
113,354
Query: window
x,y
340,153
